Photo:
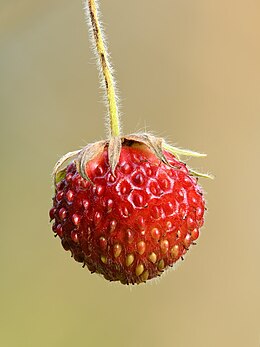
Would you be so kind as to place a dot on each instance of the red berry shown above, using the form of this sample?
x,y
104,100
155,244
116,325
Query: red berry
x,y
132,225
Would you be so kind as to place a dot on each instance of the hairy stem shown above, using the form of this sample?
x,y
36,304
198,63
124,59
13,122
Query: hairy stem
x,y
106,69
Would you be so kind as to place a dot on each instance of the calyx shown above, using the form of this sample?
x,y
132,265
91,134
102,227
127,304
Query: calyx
x,y
156,144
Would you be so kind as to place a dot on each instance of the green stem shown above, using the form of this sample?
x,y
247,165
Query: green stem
x,y
106,70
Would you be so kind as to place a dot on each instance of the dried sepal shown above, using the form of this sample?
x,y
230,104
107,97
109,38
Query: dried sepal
x,y
200,174
180,151
60,162
186,152
158,145
114,150
59,176
135,138
88,153
155,144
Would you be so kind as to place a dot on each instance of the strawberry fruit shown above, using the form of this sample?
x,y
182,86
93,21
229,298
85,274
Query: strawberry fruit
x,y
127,208
131,225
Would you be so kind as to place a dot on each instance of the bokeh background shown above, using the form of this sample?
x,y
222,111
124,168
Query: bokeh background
x,y
187,70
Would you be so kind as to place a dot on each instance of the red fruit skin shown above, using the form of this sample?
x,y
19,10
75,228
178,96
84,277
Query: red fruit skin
x,y
132,225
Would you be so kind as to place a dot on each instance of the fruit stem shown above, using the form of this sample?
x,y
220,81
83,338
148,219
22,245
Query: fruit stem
x,y
109,82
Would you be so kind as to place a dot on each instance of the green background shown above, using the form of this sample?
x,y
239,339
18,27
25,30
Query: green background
x,y
187,70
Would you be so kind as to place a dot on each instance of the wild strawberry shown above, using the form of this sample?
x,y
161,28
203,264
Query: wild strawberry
x,y
131,225
127,207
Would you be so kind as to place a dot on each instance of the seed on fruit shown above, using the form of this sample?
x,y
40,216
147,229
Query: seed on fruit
x,y
111,178
195,234
85,203
83,183
187,182
161,265
52,213
141,247
59,230
103,259
124,212
145,275
97,218
124,187
68,177
62,213
154,188
187,241
74,236
59,195
137,158
141,223
199,212
126,168
139,269
155,212
179,194
69,195
175,251
99,170
103,243
165,184
169,208
138,199
109,205
149,171
193,198
138,179
117,250
152,257
183,210
75,219
190,223
65,245
155,234
169,225
112,225
129,259
129,236
99,190
164,244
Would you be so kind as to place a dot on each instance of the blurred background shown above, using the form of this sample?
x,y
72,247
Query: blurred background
x,y
187,70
